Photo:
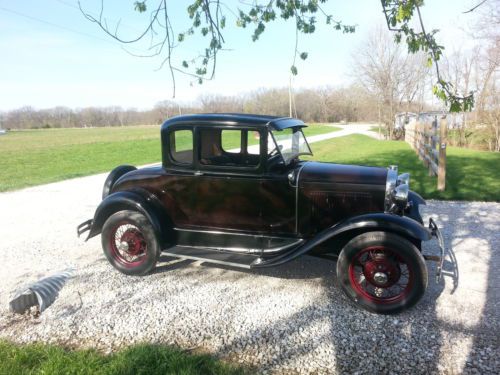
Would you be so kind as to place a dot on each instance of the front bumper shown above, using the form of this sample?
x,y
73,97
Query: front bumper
x,y
435,232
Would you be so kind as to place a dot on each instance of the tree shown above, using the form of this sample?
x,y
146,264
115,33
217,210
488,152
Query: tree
x,y
388,73
487,30
460,70
208,19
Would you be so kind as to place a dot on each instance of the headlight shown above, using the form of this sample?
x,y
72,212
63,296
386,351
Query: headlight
x,y
397,189
390,184
404,178
400,195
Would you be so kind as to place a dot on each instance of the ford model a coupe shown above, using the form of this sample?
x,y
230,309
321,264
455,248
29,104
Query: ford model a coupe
x,y
232,190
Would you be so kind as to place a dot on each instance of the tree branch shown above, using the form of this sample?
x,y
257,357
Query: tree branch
x,y
475,7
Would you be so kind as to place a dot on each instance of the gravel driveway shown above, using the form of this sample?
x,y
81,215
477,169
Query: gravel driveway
x,y
288,319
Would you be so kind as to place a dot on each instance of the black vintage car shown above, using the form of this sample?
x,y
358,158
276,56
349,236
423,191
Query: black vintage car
x,y
232,190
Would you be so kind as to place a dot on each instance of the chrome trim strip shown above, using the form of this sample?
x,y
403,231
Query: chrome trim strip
x,y
248,250
227,233
297,198
222,249
283,247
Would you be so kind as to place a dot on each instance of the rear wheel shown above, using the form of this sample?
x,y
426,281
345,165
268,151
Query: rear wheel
x,y
129,243
382,272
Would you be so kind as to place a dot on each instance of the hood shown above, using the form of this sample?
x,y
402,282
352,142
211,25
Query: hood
x,y
342,174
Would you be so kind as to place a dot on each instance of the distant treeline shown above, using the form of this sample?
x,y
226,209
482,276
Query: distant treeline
x,y
325,104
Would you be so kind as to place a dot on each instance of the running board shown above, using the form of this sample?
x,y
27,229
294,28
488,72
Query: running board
x,y
211,256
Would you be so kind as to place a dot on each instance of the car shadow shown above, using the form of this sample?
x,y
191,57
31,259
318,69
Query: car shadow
x,y
383,340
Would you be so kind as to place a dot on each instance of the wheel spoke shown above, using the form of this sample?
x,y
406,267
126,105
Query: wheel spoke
x,y
128,244
380,274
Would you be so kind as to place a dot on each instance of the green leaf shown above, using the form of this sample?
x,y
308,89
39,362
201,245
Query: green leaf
x,y
455,107
185,64
140,6
180,37
293,69
303,55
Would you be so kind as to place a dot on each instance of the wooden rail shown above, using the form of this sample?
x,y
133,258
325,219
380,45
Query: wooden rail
x,y
430,146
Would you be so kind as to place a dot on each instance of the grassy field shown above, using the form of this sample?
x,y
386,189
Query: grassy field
x,y
34,157
471,175
40,156
138,359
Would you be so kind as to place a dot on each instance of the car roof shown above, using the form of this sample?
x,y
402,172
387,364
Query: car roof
x,y
235,119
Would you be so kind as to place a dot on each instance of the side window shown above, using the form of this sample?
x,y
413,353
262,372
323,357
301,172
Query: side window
x,y
231,141
224,148
253,142
181,146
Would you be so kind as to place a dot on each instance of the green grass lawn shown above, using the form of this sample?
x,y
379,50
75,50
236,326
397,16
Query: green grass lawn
x,y
471,175
138,359
34,157
40,156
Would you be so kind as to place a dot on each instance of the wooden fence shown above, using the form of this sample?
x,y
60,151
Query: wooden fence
x,y
429,141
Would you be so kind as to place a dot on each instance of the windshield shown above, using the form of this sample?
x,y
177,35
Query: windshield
x,y
291,143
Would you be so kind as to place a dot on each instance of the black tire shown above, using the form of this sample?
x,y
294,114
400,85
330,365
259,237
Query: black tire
x,y
141,252
372,268
113,176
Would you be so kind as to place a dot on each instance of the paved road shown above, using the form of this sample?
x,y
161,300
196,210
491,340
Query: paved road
x,y
346,130
363,129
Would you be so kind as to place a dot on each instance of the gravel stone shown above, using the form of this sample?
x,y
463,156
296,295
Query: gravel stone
x,y
289,319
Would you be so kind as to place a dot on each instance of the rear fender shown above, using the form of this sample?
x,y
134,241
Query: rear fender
x,y
138,200
401,225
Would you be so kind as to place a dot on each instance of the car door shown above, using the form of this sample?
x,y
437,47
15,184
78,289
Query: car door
x,y
222,192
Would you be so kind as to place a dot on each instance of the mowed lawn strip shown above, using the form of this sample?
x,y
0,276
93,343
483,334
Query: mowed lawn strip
x,y
34,157
138,359
470,175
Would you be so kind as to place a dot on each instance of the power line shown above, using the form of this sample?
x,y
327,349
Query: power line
x,y
111,19
55,25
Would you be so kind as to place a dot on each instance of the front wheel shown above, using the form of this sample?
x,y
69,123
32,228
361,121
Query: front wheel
x,y
129,243
382,272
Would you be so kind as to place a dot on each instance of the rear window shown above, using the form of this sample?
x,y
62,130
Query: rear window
x,y
181,146
231,141
253,142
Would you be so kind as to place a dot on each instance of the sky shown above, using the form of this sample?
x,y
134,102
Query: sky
x,y
51,55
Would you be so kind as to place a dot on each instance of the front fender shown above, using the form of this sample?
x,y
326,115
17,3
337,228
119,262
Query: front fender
x,y
413,211
401,225
135,200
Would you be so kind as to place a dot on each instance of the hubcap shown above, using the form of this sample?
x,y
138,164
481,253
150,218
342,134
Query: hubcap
x,y
123,246
380,270
380,278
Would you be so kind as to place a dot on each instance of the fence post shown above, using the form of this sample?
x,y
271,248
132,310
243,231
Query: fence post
x,y
443,128
432,144
425,143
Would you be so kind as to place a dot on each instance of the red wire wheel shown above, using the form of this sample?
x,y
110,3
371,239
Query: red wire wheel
x,y
380,275
129,243
382,272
